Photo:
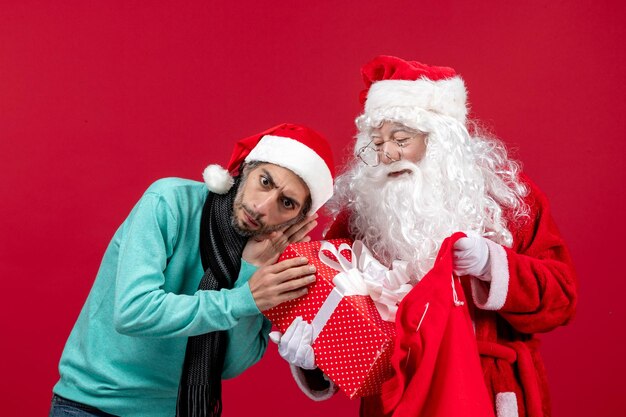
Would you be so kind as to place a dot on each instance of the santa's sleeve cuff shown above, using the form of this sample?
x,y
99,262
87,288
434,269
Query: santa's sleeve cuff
x,y
299,376
492,295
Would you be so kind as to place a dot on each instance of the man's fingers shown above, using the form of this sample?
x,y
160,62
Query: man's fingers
x,y
295,272
269,236
279,244
308,223
295,284
287,273
302,232
294,233
291,229
292,295
287,264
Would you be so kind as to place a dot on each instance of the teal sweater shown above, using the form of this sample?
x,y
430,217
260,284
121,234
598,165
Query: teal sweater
x,y
126,350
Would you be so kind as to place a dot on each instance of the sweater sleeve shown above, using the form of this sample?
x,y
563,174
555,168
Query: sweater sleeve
x,y
247,341
142,306
535,280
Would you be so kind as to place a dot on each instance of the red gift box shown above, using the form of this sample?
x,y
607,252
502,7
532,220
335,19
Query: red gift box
x,y
355,344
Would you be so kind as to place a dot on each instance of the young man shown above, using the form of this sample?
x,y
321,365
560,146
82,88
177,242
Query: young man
x,y
435,174
176,304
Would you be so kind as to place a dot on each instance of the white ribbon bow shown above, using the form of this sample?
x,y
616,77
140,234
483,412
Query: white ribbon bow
x,y
387,287
349,280
363,275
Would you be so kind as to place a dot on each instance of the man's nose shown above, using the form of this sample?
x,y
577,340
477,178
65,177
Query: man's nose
x,y
264,204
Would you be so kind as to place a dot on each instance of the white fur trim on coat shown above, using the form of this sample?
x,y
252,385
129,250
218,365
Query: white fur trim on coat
x,y
301,160
298,375
506,404
447,97
217,179
492,295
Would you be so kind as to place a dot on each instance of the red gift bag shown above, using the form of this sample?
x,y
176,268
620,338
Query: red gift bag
x,y
436,366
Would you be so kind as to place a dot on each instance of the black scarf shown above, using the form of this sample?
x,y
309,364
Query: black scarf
x,y
200,390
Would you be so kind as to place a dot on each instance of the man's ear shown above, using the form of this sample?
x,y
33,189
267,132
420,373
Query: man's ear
x,y
244,171
245,168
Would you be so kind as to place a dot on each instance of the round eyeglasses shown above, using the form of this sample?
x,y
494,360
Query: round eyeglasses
x,y
370,154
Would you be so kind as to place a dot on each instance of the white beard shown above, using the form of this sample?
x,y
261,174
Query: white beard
x,y
406,217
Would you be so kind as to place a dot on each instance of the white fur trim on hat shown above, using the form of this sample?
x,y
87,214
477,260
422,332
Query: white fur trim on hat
x,y
447,96
217,179
301,160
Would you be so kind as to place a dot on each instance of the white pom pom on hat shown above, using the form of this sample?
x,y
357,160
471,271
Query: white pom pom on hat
x,y
297,148
217,179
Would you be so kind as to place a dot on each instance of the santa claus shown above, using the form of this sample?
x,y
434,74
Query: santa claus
x,y
421,172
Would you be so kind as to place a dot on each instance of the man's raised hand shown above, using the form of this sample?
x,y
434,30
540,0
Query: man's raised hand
x,y
274,284
265,249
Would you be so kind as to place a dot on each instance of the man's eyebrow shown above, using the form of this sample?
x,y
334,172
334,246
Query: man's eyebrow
x,y
273,185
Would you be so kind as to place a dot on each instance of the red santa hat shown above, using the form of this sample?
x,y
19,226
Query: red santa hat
x,y
297,148
396,90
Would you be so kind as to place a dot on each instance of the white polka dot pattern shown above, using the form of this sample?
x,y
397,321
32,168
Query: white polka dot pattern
x,y
354,348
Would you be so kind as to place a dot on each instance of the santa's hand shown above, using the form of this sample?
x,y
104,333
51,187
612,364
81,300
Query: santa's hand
x,y
295,345
471,257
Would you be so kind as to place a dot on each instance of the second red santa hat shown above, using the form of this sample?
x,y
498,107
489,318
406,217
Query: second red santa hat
x,y
410,93
391,82
298,148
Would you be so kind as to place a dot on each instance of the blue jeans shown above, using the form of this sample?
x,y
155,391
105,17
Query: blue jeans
x,y
62,407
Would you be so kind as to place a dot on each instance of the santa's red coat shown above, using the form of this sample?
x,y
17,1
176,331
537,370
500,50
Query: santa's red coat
x,y
533,290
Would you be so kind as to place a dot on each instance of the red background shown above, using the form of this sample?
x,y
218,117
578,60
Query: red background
x,y
99,99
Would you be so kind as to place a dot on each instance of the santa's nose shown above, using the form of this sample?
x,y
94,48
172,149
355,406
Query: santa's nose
x,y
388,153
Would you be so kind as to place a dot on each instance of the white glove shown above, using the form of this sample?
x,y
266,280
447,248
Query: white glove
x,y
295,345
471,257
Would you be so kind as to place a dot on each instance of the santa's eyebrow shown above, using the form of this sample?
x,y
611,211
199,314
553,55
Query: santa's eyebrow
x,y
395,128
403,129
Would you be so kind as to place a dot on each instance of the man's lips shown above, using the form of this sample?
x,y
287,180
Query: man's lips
x,y
249,219
398,173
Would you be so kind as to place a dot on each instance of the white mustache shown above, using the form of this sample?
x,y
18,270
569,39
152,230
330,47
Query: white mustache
x,y
381,172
